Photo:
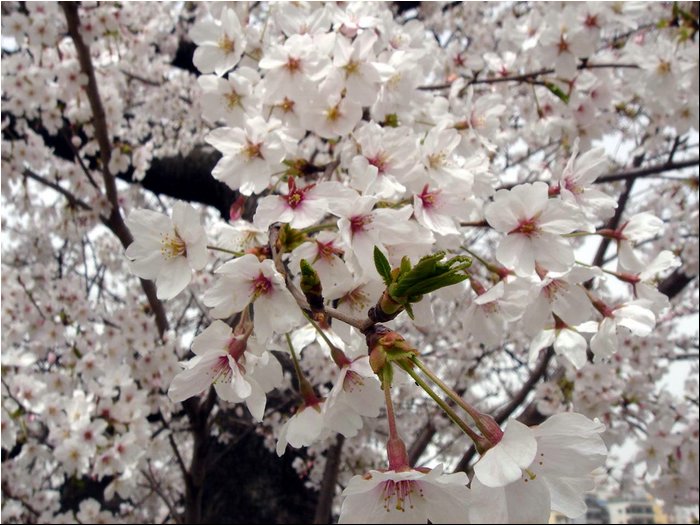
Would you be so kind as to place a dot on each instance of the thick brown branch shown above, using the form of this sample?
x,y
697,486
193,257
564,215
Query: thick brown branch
x,y
613,223
330,479
98,112
425,436
675,283
115,222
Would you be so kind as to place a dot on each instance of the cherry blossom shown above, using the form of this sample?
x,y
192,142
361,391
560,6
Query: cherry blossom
x,y
249,155
356,393
274,308
231,363
549,465
410,496
219,45
167,250
533,224
302,429
439,208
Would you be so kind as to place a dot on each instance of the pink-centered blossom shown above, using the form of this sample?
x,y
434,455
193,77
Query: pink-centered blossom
x,y
410,496
362,228
576,184
300,207
250,154
439,210
533,224
247,280
234,364
356,394
325,254
292,69
534,470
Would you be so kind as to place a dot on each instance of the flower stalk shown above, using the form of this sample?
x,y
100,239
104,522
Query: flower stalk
x,y
395,447
480,442
305,388
485,423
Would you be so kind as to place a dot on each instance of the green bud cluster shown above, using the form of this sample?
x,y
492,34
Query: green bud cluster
x,y
408,284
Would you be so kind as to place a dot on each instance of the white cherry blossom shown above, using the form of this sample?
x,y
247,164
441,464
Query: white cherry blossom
x,y
534,224
250,155
247,280
533,471
220,44
167,249
410,496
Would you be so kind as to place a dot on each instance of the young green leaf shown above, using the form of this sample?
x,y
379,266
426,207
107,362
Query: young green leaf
x,y
382,265
557,91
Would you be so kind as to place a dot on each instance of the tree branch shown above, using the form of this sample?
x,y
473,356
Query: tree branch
x,y
329,481
527,77
652,170
506,411
360,324
115,221
421,442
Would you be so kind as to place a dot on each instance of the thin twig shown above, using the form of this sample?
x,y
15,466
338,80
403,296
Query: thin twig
x,y
74,201
652,170
506,411
360,324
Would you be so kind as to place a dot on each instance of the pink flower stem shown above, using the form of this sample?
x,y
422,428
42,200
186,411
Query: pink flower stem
x,y
395,447
338,356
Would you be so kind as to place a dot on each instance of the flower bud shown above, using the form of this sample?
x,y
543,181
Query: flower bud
x,y
386,347
311,286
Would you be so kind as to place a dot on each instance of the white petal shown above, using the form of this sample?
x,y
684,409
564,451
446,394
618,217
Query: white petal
x,y
193,381
541,340
256,401
571,344
174,278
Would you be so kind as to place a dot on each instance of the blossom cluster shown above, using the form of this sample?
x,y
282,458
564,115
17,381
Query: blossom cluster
x,y
404,201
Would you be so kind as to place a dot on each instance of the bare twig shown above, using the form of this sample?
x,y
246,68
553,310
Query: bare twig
x,y
529,77
73,201
144,80
652,170
360,324
11,495
155,486
506,411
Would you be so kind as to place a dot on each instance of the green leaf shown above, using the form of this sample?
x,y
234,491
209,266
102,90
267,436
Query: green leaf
x,y
405,265
557,91
442,281
290,238
382,265
409,311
